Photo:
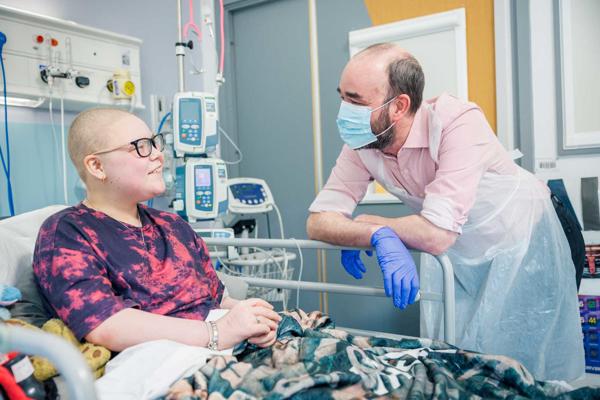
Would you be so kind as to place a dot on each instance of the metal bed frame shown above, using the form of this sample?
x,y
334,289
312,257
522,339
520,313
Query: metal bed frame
x,y
65,357
78,377
447,297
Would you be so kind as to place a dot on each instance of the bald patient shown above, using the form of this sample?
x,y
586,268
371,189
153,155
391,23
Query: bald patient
x,y
119,273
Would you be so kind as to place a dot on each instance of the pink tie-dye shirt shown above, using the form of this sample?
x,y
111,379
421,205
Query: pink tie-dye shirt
x,y
89,266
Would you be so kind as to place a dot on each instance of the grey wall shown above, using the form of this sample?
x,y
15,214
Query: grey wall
x,y
352,311
268,107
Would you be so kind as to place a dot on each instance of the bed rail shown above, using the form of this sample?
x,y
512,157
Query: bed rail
x,y
67,360
447,270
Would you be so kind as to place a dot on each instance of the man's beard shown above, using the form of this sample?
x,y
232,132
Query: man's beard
x,y
384,140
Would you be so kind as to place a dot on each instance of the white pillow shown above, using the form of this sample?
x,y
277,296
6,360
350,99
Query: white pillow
x,y
17,241
16,252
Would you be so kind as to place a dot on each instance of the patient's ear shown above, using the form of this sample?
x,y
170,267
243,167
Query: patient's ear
x,y
93,165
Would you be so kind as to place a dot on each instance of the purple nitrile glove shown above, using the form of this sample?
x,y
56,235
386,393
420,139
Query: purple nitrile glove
x,y
400,278
353,264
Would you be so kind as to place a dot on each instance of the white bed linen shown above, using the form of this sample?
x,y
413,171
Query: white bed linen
x,y
146,371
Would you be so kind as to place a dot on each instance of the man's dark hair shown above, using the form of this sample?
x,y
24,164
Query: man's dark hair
x,y
405,75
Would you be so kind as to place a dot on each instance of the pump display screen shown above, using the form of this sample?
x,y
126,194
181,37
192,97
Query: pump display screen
x,y
203,177
189,110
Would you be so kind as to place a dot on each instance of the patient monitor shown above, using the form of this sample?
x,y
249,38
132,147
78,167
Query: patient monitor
x,y
194,123
249,196
201,189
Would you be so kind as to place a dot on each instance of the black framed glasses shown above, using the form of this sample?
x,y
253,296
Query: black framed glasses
x,y
143,146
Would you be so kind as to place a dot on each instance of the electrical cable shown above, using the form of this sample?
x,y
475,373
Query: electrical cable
x,y
222,29
237,149
132,103
299,273
54,135
160,126
282,236
268,226
63,148
162,121
282,271
270,257
280,220
6,163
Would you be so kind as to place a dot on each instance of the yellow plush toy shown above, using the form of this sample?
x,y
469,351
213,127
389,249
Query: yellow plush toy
x,y
96,356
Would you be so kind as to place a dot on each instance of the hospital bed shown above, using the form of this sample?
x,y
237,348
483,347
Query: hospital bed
x,y
17,238
69,362
447,297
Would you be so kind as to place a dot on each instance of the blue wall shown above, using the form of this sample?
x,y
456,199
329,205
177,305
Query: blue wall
x,y
37,181
36,168
268,109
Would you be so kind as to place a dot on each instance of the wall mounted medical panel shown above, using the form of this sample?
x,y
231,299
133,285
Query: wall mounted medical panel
x,y
36,41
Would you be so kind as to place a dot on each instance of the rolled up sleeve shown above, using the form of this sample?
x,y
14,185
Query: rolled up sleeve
x,y
464,155
345,187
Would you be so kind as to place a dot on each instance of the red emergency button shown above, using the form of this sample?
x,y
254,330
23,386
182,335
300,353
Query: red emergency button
x,y
39,39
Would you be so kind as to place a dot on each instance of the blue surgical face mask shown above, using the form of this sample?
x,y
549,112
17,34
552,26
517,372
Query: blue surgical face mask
x,y
354,124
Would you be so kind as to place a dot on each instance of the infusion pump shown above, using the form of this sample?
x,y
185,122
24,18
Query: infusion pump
x,y
201,189
195,120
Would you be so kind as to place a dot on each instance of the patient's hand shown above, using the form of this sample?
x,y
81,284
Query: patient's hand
x,y
252,318
264,340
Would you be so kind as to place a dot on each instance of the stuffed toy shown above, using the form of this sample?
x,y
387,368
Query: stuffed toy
x,y
95,356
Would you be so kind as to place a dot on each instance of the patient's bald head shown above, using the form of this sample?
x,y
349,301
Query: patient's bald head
x,y
91,131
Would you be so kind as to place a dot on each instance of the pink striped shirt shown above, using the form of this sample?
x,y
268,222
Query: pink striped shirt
x,y
468,148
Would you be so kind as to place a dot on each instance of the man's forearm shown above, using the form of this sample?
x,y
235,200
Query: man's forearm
x,y
335,228
416,232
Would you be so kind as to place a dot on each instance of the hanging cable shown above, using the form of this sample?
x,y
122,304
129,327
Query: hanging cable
x,y
54,135
299,273
6,163
162,122
237,149
132,103
280,220
222,35
63,148
159,130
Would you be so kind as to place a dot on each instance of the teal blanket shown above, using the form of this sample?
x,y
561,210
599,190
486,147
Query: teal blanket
x,y
313,360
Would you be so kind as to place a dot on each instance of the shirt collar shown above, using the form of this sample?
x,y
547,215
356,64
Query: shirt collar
x,y
418,136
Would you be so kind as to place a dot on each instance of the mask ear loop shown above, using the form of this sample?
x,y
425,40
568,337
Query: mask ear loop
x,y
392,125
384,104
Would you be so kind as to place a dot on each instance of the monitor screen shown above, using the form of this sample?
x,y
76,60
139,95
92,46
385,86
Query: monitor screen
x,y
203,176
190,109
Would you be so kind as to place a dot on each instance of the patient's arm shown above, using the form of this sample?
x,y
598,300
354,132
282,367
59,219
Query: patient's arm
x,y
128,327
228,302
